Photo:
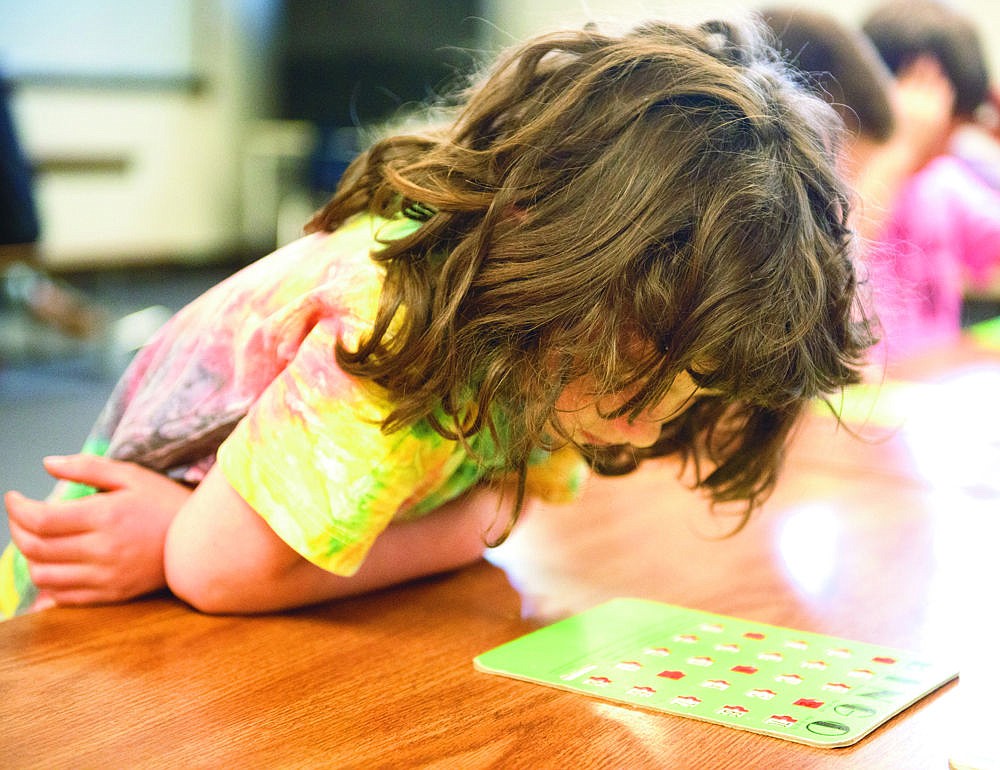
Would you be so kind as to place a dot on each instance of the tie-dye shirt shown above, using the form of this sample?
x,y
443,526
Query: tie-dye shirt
x,y
245,375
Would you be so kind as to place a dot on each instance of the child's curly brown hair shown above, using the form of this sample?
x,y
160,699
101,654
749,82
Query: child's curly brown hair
x,y
624,208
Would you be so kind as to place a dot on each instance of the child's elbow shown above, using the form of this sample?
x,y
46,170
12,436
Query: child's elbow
x,y
206,590
209,583
221,557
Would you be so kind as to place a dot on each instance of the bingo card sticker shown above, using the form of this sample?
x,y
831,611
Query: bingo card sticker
x,y
797,685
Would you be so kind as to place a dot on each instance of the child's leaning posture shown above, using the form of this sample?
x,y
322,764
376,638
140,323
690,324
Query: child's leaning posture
x,y
618,246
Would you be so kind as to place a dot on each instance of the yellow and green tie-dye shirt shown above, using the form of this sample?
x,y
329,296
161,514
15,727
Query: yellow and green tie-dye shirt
x,y
245,375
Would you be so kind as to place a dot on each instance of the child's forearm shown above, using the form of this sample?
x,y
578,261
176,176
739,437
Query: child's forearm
x,y
222,558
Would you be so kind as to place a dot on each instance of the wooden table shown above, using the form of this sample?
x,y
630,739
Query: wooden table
x,y
886,555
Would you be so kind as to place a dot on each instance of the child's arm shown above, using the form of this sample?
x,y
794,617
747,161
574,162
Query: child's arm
x,y
221,557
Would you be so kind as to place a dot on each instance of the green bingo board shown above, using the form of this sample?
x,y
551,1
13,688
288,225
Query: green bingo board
x,y
796,685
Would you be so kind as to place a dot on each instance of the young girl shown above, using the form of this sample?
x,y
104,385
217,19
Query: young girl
x,y
619,246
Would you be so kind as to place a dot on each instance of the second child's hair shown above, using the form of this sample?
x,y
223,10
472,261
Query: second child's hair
x,y
842,66
624,208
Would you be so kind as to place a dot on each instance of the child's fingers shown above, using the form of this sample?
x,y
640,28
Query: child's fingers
x,y
36,548
92,470
48,519
74,597
75,584
53,578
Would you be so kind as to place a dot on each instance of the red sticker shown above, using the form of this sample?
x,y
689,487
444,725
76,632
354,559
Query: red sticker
x,y
671,674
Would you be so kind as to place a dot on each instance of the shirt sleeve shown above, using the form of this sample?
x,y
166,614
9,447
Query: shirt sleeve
x,y
557,476
311,458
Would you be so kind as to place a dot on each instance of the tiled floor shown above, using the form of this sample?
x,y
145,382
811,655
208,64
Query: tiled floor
x,y
51,388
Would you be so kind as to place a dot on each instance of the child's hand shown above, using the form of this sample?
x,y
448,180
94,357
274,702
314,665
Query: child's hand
x,y
106,547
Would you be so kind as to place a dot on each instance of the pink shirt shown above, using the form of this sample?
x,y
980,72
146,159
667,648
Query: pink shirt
x,y
943,235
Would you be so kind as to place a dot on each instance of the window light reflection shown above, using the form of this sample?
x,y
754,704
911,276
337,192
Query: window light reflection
x,y
954,438
647,728
808,543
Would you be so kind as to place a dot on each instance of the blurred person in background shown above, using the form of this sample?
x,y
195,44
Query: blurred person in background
x,y
932,227
942,234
